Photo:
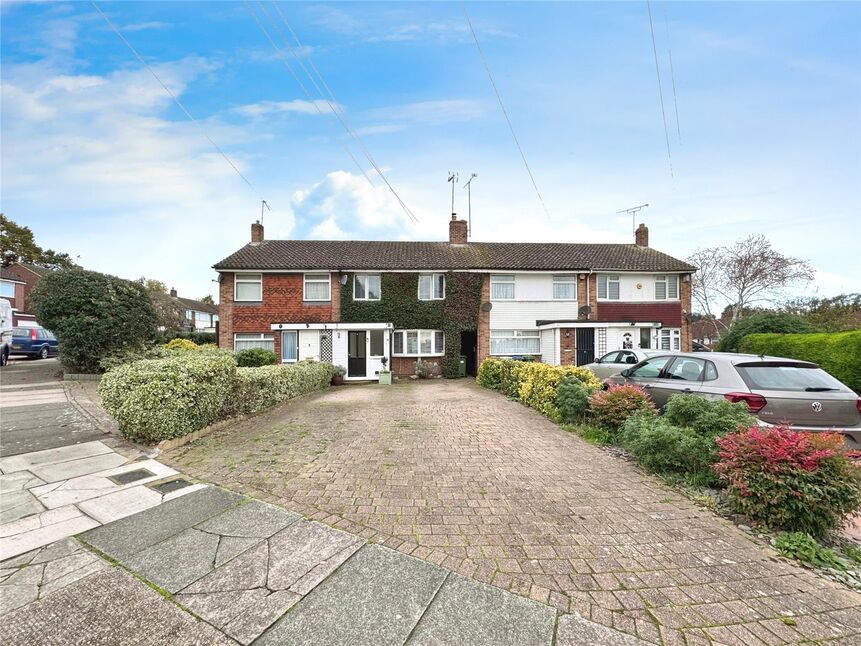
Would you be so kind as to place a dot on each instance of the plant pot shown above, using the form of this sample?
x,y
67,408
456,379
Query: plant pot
x,y
385,378
337,380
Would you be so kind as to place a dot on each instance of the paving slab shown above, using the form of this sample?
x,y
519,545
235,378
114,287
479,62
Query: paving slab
x,y
32,428
178,561
574,630
17,481
71,469
468,612
51,456
18,504
108,608
120,504
376,597
127,536
253,519
35,531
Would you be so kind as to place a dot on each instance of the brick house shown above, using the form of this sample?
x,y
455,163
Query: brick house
x,y
16,282
357,302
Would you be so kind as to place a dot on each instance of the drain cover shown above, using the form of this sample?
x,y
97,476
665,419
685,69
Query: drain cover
x,y
131,476
171,485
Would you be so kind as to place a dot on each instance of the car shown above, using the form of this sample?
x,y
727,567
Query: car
x,y
34,342
776,390
615,362
5,331
700,347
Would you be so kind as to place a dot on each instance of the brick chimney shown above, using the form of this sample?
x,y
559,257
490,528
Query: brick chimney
x,y
172,292
641,236
256,232
457,230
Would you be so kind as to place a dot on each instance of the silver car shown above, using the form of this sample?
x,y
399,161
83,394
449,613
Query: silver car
x,y
777,391
615,362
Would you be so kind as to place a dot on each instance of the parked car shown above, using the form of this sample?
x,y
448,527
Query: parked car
x,y
34,342
700,347
5,331
615,362
777,391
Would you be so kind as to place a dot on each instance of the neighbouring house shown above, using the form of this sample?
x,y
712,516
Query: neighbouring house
x,y
199,316
357,302
16,282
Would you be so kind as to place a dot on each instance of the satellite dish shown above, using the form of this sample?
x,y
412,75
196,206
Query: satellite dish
x,y
486,307
344,279
584,311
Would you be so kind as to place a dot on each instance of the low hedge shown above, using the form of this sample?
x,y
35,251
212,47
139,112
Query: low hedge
x,y
256,389
839,353
254,357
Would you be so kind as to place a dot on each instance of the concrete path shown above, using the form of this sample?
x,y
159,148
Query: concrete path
x,y
256,573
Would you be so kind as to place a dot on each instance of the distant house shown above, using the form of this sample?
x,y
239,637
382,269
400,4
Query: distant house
x,y
16,282
199,316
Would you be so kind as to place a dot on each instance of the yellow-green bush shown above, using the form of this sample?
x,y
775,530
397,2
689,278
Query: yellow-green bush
x,y
534,384
181,344
256,389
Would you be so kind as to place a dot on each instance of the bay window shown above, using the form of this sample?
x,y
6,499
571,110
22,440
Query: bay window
x,y
666,287
608,287
248,287
431,287
565,288
507,342
248,341
317,287
366,287
418,343
501,287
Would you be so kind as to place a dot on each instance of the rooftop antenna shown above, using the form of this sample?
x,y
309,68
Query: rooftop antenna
x,y
264,203
469,203
633,211
452,177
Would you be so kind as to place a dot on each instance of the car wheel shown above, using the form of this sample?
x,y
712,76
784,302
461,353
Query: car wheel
x,y
43,353
4,357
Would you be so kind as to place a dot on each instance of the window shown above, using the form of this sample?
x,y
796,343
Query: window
x,y
248,287
608,287
515,342
565,288
610,357
377,343
431,287
669,338
687,369
418,343
501,287
798,377
202,317
7,289
317,287
666,287
366,287
248,341
651,369
289,346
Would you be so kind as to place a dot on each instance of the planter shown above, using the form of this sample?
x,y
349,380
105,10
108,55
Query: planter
x,y
385,378
337,380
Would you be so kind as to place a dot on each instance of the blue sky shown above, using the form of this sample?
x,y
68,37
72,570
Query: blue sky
x,y
99,162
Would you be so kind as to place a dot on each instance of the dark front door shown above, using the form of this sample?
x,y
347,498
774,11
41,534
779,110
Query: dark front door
x,y
357,360
585,345
468,348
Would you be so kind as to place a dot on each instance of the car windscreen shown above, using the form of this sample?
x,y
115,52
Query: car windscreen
x,y
788,376
21,331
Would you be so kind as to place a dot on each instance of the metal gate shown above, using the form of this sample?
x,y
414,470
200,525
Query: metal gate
x,y
585,345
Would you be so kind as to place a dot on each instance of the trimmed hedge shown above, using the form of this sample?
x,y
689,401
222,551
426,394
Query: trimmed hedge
x,y
839,353
762,323
256,389
254,357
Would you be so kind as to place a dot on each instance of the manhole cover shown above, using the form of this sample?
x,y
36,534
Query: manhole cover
x,y
131,476
171,485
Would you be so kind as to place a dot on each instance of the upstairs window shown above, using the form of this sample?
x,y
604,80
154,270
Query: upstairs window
x,y
608,287
431,287
7,290
666,287
366,287
248,287
565,288
502,287
317,287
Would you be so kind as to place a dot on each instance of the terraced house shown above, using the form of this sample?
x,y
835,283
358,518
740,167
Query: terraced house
x,y
356,303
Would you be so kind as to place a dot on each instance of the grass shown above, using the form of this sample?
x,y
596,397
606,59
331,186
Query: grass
x,y
592,434
800,546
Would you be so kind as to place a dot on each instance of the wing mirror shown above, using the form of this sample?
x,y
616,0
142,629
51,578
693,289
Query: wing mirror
x,y
626,372
598,360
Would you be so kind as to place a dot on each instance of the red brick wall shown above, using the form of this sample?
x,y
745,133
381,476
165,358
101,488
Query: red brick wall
x,y
483,331
22,292
568,346
685,295
587,294
406,366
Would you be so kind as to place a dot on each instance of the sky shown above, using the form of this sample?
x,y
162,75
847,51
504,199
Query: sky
x,y
762,103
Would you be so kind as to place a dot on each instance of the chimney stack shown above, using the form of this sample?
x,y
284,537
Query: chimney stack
x,y
256,232
172,292
457,230
641,236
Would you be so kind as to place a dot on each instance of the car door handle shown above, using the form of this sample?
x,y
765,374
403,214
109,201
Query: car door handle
x,y
648,386
687,390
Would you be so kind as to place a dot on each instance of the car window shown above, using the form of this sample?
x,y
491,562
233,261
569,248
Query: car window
x,y
651,369
628,357
20,331
40,334
50,335
686,369
610,357
711,372
792,377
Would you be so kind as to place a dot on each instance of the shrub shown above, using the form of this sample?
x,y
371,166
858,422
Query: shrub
x,y
427,369
200,338
158,399
490,373
256,389
613,406
181,344
254,357
838,353
790,480
93,315
572,398
762,322
797,545
707,417
129,355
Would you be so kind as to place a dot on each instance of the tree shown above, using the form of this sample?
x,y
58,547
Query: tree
x,y
762,322
207,299
744,274
19,245
835,314
170,315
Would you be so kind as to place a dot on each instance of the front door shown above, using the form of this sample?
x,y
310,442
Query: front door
x,y
469,348
585,345
357,356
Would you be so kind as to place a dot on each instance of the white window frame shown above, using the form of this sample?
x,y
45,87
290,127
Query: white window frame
x,y
608,279
420,334
433,278
317,279
4,285
247,279
367,275
515,335
503,279
263,338
673,337
668,281
565,279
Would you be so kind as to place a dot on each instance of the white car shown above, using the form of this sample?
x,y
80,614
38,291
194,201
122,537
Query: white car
x,y
615,362
5,331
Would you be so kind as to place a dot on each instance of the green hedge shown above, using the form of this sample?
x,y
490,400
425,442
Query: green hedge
x,y
762,323
839,353
256,389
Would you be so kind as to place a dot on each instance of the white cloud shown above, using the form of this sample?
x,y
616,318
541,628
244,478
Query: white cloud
x,y
142,26
297,106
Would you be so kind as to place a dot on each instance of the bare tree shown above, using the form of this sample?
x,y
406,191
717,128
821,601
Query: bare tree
x,y
743,274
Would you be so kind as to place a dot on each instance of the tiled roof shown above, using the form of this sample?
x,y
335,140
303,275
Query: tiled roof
x,y
197,306
354,254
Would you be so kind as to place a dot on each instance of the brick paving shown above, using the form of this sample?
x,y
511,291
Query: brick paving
x,y
460,476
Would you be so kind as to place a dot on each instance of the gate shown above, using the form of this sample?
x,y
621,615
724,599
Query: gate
x,y
585,345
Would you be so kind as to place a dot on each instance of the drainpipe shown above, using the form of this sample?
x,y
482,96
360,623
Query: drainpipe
x,y
588,299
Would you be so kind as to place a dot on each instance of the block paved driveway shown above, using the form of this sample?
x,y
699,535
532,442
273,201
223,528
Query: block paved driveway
x,y
459,476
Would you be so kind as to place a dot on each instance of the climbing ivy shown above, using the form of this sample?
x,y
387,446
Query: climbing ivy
x,y
399,305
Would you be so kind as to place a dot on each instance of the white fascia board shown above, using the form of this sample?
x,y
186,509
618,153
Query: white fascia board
x,y
331,326
488,270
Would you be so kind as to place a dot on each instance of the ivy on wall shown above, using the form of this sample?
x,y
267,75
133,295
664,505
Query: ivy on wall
x,y
399,304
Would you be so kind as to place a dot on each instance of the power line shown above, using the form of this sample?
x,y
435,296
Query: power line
x,y
660,87
672,74
172,95
504,111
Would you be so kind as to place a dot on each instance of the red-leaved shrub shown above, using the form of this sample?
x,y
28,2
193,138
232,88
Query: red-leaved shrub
x,y
789,480
611,407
